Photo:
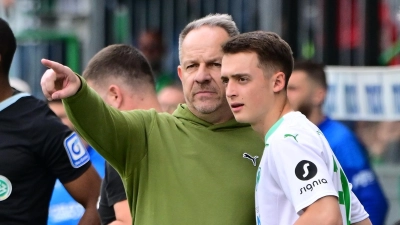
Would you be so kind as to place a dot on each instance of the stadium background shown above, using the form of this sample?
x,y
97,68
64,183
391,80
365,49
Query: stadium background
x,y
358,40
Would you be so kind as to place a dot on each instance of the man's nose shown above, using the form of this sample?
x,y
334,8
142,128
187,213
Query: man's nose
x,y
203,74
230,90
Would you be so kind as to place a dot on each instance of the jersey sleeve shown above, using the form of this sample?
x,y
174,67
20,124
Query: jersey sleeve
x,y
114,187
358,212
300,168
63,153
119,136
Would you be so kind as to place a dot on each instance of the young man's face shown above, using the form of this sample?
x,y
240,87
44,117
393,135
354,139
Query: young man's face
x,y
300,92
248,90
200,71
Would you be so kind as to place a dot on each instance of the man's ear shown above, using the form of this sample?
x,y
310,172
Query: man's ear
x,y
179,70
114,96
279,80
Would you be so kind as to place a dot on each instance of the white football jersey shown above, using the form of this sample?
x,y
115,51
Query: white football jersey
x,y
297,168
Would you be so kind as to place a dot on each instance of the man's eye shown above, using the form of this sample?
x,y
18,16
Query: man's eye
x,y
217,64
242,79
225,81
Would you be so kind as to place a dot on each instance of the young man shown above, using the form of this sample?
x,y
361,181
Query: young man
x,y
306,92
123,78
194,167
35,150
299,180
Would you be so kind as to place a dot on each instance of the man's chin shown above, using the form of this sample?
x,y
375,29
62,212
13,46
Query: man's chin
x,y
240,119
206,108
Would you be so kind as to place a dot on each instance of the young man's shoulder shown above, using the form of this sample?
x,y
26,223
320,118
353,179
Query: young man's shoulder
x,y
296,135
294,125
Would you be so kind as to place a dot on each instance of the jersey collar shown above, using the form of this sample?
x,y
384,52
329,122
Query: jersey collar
x,y
11,100
273,128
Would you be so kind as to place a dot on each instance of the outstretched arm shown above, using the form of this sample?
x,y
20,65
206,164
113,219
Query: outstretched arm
x,y
118,136
85,190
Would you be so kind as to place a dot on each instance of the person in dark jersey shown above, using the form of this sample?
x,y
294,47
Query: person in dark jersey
x,y
35,150
307,89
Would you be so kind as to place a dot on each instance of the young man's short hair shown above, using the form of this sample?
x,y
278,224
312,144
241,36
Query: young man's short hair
x,y
120,61
273,53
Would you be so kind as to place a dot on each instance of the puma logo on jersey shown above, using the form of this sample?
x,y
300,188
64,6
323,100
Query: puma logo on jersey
x,y
291,135
253,159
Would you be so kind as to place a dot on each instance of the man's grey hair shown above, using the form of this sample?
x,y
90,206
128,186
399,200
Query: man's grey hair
x,y
223,21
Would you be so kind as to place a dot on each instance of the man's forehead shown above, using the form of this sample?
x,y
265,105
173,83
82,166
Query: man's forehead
x,y
207,54
205,36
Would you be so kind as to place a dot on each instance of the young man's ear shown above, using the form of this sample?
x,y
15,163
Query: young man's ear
x,y
279,81
114,96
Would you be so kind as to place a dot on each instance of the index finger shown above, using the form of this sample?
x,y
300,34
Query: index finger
x,y
57,67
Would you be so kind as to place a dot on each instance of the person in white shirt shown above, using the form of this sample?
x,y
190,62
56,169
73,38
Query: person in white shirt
x,y
299,180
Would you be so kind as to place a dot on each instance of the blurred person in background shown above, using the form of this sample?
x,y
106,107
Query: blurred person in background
x,y
196,166
307,89
35,150
382,140
64,210
151,44
124,86
170,97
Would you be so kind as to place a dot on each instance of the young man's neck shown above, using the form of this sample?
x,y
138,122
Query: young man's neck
x,y
277,111
150,103
143,102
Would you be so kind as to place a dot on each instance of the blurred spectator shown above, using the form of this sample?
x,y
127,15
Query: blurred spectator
x,y
307,88
170,97
382,140
151,44
63,209
20,85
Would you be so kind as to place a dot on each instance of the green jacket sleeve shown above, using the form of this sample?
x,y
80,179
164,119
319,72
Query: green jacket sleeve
x,y
119,136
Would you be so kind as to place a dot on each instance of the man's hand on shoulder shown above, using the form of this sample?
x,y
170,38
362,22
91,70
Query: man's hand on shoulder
x,y
58,81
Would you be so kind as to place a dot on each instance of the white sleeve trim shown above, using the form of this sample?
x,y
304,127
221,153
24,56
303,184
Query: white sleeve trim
x,y
360,218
